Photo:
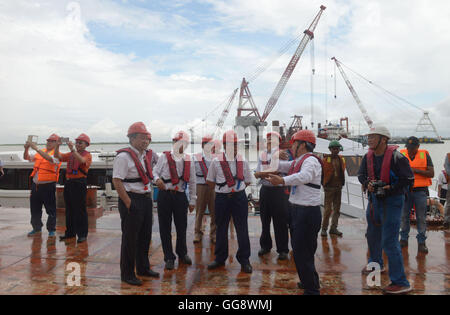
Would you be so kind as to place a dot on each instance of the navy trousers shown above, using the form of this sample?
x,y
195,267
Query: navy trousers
x,y
172,204
136,226
233,205
304,224
44,194
75,191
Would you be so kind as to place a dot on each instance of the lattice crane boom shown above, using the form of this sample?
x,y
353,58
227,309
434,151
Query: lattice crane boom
x,y
355,95
309,35
225,112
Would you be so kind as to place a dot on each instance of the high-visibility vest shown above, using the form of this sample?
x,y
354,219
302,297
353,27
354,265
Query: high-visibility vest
x,y
420,163
328,169
47,171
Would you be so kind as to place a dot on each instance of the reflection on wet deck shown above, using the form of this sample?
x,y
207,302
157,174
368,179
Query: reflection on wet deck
x,y
39,265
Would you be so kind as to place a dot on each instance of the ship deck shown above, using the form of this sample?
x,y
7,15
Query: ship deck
x,y
39,265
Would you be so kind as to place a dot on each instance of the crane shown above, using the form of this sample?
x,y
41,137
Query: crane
x,y
225,112
355,95
309,35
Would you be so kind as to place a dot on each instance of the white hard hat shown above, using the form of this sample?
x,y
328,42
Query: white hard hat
x,y
379,130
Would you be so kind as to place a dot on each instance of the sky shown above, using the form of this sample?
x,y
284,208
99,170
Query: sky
x,y
97,66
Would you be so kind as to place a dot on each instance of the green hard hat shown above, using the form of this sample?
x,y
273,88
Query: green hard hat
x,y
334,144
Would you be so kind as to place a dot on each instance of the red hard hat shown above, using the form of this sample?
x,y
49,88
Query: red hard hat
x,y
304,135
139,127
207,139
181,135
230,136
274,133
53,137
85,138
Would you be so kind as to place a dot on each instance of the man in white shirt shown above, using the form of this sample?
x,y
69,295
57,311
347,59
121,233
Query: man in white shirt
x,y
205,194
132,175
304,177
229,175
273,202
174,175
442,186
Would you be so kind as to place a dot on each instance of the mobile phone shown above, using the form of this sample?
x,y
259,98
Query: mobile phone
x,y
64,139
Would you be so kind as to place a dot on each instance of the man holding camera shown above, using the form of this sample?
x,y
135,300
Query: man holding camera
x,y
45,175
423,169
386,174
75,188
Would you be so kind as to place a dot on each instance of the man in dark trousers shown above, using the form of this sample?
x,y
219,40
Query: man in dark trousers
x,y
304,178
333,180
273,201
229,175
174,175
385,173
75,188
45,175
132,175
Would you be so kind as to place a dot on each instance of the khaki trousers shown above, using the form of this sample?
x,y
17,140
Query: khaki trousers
x,y
205,197
332,205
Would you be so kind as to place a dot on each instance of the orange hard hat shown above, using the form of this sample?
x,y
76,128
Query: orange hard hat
x,y
304,135
273,133
230,136
53,137
84,137
139,127
206,139
181,136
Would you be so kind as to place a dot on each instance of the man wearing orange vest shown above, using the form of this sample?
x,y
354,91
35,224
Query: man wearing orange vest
x,y
132,176
205,195
423,169
45,175
174,175
333,180
447,203
75,188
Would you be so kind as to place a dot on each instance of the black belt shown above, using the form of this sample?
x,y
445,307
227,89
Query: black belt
x,y
79,179
139,196
132,180
171,191
231,194
313,185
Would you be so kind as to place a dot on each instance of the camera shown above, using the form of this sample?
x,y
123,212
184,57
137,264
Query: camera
x,y
64,139
378,188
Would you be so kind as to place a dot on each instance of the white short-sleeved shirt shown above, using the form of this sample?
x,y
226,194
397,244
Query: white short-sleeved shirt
x,y
162,171
124,168
273,159
310,173
200,179
32,158
215,175
442,180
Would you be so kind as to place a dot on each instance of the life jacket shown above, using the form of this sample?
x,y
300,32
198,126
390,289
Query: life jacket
x,y
385,166
230,180
144,176
328,169
419,162
47,171
173,169
202,163
73,165
296,167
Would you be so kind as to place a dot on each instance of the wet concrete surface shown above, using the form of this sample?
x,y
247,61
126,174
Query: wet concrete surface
x,y
43,265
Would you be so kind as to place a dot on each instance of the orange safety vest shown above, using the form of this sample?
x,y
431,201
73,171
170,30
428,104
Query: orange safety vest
x,y
328,168
420,163
48,172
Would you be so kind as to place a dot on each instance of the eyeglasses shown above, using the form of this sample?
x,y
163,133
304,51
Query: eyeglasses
x,y
79,142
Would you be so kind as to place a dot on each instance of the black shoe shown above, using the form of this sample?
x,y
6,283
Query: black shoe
x,y
170,264
263,251
403,243
65,237
247,268
81,240
422,248
283,256
134,281
186,260
215,265
149,273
